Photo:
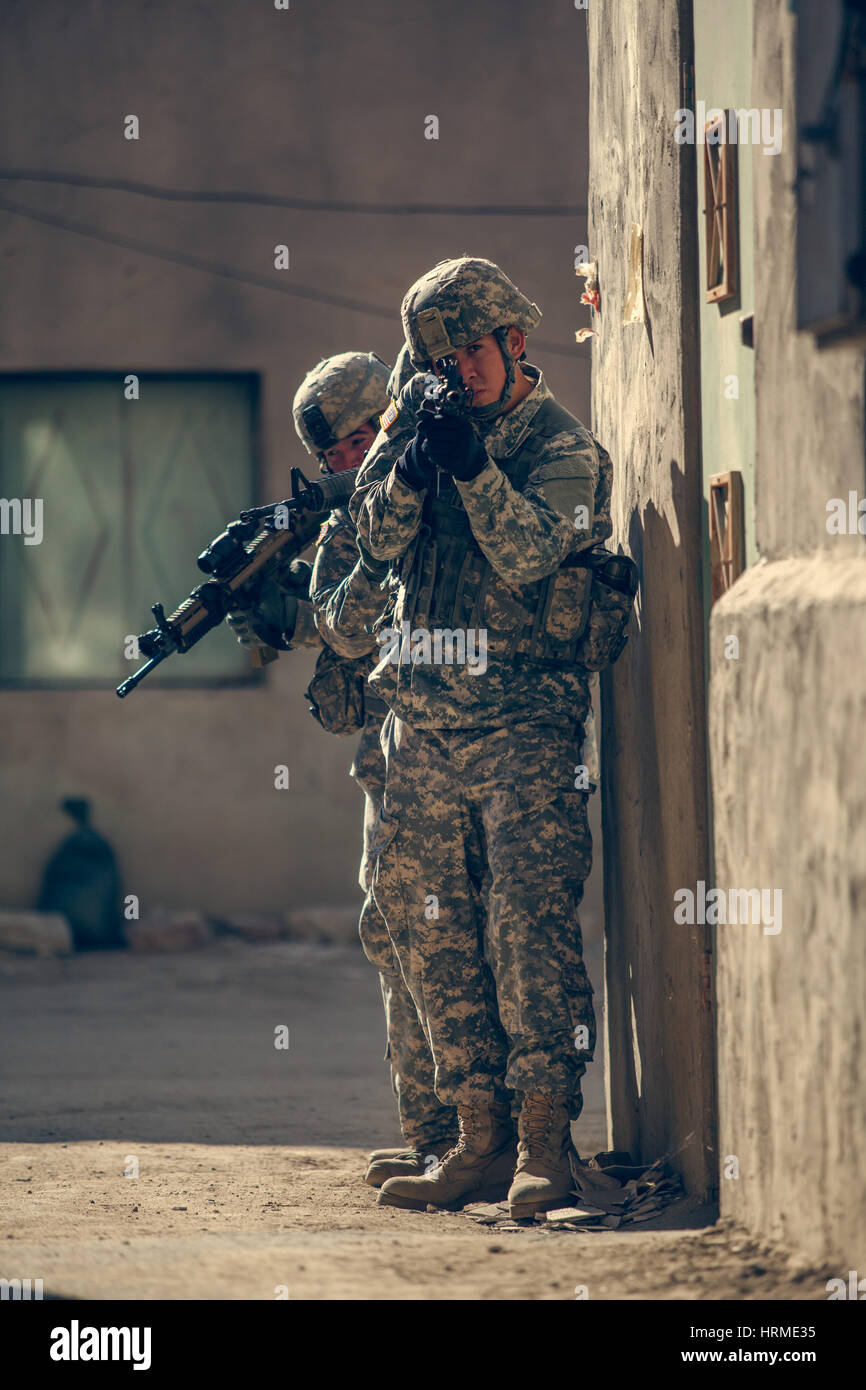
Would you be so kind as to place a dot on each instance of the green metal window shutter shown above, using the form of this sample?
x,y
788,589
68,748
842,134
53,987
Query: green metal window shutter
x,y
131,491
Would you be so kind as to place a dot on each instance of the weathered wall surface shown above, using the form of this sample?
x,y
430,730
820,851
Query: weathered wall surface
x,y
659,1035
786,730
810,414
787,721
324,101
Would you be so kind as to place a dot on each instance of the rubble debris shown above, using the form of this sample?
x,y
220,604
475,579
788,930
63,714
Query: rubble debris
x,y
35,933
486,1213
322,924
577,1214
606,1198
253,926
163,930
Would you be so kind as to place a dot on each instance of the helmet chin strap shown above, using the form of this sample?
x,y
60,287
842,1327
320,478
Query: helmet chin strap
x,y
486,412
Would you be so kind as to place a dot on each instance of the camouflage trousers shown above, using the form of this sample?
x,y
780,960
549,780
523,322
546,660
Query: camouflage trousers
x,y
481,852
424,1120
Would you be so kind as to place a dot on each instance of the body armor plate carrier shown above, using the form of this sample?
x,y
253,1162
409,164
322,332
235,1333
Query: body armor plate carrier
x,y
576,616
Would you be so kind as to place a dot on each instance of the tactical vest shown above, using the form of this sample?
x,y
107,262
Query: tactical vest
x,y
447,581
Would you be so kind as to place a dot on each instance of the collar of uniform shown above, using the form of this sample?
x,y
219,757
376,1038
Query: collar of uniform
x,y
505,433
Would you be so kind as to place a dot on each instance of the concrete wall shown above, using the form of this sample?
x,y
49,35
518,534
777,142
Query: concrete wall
x,y
645,412
786,727
324,101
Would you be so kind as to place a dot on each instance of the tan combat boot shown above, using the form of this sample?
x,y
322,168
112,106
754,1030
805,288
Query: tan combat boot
x,y
408,1162
388,1153
479,1166
543,1178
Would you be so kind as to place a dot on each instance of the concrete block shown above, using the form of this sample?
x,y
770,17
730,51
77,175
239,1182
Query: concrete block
x,y
163,930
786,726
254,926
35,933
337,924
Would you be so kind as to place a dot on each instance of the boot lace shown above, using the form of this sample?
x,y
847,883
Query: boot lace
x,y
471,1122
537,1122
467,1120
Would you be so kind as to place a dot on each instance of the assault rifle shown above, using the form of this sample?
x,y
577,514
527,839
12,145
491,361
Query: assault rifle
x,y
446,395
446,392
235,561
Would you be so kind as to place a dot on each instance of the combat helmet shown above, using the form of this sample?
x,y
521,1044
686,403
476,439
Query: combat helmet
x,y
337,396
403,372
458,302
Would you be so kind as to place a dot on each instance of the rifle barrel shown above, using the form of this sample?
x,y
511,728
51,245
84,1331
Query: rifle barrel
x,y
329,491
132,681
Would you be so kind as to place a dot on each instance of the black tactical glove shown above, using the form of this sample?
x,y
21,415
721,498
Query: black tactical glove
x,y
414,469
452,444
295,579
374,569
239,624
269,622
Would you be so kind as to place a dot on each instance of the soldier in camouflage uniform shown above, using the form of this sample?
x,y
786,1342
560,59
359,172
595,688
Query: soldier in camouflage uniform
x,y
335,412
483,518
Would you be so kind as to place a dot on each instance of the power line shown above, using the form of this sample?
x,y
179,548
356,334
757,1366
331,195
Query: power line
x,y
276,200
185,258
227,272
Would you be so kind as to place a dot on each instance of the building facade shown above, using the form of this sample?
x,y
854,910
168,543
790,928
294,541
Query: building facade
x,y
171,152
732,398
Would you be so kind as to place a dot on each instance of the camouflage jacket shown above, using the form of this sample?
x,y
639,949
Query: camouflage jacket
x,y
345,602
525,534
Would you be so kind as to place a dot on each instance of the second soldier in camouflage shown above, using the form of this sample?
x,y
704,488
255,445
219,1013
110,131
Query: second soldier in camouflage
x,y
336,411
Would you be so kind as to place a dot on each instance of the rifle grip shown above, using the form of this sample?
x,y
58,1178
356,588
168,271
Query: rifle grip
x,y
261,656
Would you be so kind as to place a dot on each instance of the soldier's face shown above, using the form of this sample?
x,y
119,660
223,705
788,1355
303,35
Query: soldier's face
x,y
349,452
481,366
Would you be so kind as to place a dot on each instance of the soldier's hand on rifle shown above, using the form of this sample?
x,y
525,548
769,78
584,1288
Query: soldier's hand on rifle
x,y
269,622
295,579
451,442
413,467
238,621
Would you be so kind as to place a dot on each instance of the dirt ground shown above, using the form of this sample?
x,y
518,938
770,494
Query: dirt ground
x,y
249,1159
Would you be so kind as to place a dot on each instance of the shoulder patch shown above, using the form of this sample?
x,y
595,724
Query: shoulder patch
x,y
325,528
388,417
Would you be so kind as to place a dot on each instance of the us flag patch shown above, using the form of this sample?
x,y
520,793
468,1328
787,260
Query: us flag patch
x,y
387,419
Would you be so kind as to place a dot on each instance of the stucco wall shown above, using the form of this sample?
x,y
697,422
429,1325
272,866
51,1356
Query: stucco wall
x,y
324,101
786,731
810,414
787,721
645,412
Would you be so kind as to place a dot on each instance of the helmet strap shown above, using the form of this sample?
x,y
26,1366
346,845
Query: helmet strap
x,y
485,412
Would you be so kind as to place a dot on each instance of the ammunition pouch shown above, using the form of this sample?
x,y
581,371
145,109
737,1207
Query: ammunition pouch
x,y
580,615
575,617
614,585
541,623
336,692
